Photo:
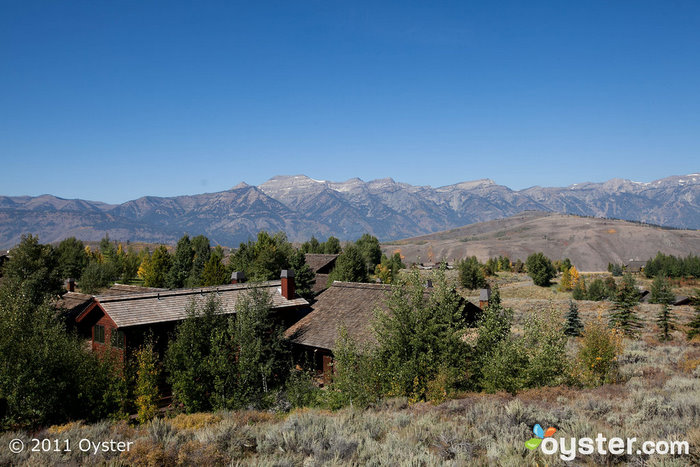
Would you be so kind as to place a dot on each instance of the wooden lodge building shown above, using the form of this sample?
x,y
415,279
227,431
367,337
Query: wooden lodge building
x,y
122,317
122,321
349,306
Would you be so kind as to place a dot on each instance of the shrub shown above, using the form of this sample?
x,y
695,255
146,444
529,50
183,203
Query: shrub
x,y
301,390
503,370
471,273
540,268
146,391
544,344
598,353
579,290
418,329
597,290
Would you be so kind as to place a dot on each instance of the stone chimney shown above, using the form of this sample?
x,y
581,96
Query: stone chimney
x,y
484,296
287,277
237,277
70,285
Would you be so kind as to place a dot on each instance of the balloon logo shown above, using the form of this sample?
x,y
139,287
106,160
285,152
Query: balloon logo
x,y
533,443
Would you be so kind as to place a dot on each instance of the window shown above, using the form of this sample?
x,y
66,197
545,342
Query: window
x,y
99,334
118,339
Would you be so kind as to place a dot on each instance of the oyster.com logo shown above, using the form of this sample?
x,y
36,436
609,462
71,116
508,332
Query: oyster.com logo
x,y
534,443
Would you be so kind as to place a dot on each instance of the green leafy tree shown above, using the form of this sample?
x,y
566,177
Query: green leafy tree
x,y
215,273
579,291
331,246
350,266
573,325
368,245
304,276
261,356
597,290
147,374
388,269
182,264
33,268
540,268
623,315
597,357
471,273
202,252
130,261
46,375
156,270
357,378
95,276
662,294
187,359
491,267
506,366
108,250
418,329
564,265
72,258
264,258
493,329
312,246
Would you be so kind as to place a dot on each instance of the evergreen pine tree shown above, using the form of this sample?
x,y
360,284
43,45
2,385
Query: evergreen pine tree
x,y
694,325
623,315
573,325
662,294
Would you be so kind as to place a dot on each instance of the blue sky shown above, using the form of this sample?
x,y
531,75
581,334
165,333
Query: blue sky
x,y
115,100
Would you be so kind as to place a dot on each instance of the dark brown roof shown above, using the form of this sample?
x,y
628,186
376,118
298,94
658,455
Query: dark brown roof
x,y
344,304
171,305
635,265
317,262
320,283
73,301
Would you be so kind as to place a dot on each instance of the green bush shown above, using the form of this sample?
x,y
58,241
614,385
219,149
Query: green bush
x,y
597,357
540,268
597,290
471,273
504,367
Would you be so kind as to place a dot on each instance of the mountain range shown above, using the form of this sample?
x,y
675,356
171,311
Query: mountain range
x,y
302,206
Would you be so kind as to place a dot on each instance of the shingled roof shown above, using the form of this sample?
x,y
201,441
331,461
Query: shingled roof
x,y
167,306
74,303
317,261
125,289
344,304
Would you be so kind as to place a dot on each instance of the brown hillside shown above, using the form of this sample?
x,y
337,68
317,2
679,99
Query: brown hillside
x,y
590,243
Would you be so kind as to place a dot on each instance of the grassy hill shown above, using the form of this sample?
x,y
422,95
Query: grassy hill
x,y
590,243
